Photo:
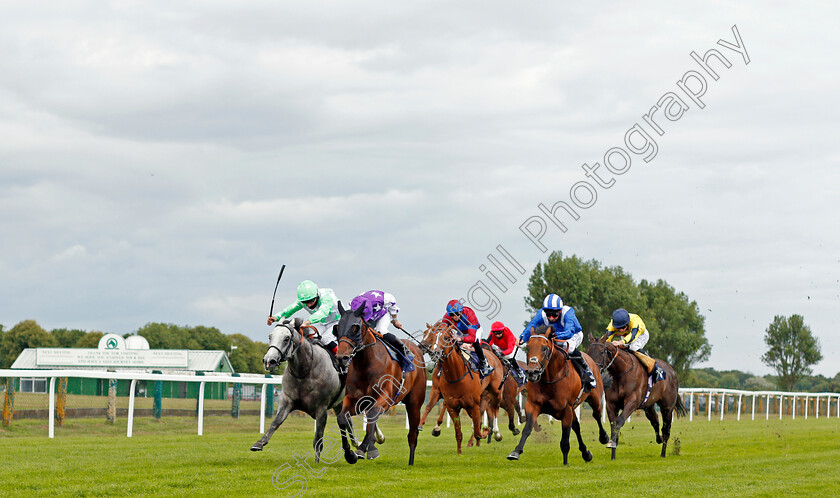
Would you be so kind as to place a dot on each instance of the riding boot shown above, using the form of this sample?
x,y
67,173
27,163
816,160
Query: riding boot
x,y
484,368
399,346
514,366
587,380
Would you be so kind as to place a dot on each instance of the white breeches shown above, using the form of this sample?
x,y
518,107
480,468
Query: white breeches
x,y
640,341
326,331
383,323
574,341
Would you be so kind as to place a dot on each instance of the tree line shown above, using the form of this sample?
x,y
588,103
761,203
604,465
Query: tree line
x,y
676,326
245,356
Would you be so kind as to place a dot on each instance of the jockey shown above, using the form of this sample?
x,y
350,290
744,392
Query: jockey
x,y
629,329
381,310
322,306
470,330
567,329
503,343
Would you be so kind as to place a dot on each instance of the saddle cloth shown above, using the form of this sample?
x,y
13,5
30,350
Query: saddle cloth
x,y
406,364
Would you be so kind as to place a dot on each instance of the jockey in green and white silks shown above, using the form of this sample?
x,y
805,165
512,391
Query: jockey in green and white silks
x,y
322,306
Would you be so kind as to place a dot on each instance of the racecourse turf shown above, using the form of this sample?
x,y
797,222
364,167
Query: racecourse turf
x,y
728,458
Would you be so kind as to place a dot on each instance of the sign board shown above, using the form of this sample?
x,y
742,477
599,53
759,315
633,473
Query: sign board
x,y
111,342
59,357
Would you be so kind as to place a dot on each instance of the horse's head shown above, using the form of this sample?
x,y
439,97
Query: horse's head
x,y
283,342
349,334
602,351
437,339
540,350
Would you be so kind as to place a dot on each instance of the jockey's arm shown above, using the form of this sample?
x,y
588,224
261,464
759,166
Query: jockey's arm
x,y
326,306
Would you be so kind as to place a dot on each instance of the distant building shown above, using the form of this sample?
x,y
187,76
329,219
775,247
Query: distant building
x,y
115,357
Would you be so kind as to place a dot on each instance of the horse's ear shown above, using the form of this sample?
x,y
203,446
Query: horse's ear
x,y
360,310
298,323
341,310
549,332
428,326
591,337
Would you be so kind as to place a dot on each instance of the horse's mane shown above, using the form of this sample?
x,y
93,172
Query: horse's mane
x,y
543,330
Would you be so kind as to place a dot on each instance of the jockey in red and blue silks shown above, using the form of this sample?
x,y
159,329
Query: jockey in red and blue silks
x,y
567,330
469,329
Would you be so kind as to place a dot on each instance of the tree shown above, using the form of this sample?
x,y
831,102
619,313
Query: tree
x,y
26,334
67,338
248,356
90,340
674,322
165,336
792,349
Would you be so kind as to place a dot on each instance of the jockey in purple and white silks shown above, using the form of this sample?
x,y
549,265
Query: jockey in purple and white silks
x,y
380,310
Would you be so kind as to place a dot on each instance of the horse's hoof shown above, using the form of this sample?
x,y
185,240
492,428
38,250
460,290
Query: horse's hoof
x,y
515,431
658,439
350,457
537,428
611,444
587,456
436,432
373,454
603,438
513,456
256,447
360,454
498,436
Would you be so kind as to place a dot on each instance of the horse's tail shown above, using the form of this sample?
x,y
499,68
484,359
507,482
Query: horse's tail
x,y
680,408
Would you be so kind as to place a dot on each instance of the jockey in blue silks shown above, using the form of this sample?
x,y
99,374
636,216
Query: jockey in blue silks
x,y
567,331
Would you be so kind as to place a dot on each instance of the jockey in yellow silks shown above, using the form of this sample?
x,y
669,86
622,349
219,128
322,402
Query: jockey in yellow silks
x,y
629,329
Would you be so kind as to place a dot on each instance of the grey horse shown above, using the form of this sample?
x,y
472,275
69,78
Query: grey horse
x,y
310,382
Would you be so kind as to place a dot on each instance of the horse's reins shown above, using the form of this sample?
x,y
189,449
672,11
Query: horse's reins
x,y
290,355
541,368
452,347
632,363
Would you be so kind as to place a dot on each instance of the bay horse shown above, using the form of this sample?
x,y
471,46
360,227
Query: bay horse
x,y
375,383
629,384
310,382
555,388
462,388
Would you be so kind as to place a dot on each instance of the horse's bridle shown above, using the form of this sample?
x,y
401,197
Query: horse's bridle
x,y
614,357
439,357
290,354
540,366
358,348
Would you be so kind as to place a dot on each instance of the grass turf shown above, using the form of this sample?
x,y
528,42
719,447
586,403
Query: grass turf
x,y
91,458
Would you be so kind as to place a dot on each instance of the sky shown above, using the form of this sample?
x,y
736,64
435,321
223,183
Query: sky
x,y
161,164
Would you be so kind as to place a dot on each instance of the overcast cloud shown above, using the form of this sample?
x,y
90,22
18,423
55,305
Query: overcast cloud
x,y
161,163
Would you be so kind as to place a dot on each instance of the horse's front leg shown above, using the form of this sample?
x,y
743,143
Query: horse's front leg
x,y
566,420
456,424
443,412
284,407
584,452
318,442
531,414
630,404
345,425
434,397
351,431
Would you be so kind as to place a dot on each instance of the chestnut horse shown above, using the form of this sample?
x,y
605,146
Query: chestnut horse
x,y
510,391
629,386
555,388
375,383
462,388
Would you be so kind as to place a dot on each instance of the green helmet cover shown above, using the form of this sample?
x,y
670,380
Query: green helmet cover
x,y
307,291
